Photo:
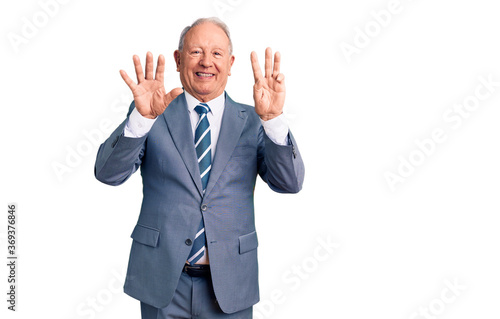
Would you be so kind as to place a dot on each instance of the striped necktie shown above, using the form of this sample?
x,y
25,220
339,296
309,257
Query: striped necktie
x,y
202,143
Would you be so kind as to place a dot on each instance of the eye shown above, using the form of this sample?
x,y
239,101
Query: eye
x,y
196,52
218,54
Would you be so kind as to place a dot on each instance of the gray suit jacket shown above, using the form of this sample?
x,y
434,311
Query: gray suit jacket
x,y
173,201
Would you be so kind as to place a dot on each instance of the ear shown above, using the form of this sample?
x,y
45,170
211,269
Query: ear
x,y
231,63
177,58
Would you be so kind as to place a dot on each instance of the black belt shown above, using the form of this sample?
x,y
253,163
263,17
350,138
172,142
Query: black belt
x,y
197,270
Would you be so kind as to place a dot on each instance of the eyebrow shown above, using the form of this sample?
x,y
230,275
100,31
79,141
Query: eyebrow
x,y
199,46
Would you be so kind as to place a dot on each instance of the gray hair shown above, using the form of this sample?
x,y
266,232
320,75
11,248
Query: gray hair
x,y
218,22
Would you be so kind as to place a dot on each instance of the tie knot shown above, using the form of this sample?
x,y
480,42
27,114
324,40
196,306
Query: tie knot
x,y
202,108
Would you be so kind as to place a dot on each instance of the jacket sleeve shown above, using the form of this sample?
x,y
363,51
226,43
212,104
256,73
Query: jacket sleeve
x,y
119,156
280,166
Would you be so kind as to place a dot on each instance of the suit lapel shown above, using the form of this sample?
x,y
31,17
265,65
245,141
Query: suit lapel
x,y
179,125
233,121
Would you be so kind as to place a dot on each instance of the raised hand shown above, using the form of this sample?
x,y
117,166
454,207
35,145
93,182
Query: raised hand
x,y
149,93
269,90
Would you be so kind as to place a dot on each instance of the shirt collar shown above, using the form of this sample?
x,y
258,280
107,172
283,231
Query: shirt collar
x,y
216,105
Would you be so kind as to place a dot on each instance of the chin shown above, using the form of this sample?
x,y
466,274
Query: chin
x,y
204,92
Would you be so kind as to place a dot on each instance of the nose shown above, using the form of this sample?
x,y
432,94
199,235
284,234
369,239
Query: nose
x,y
205,61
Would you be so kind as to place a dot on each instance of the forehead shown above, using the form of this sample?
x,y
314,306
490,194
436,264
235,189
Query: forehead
x,y
206,35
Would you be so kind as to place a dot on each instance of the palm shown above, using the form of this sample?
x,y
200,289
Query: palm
x,y
149,93
270,98
269,90
148,97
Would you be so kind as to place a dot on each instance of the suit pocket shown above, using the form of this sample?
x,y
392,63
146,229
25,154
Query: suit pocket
x,y
146,235
248,242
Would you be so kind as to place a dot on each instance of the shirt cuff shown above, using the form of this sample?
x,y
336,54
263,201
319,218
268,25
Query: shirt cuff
x,y
137,125
276,129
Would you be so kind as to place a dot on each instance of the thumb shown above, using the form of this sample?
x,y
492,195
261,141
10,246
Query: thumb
x,y
170,96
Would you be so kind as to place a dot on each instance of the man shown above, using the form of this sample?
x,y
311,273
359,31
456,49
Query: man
x,y
194,250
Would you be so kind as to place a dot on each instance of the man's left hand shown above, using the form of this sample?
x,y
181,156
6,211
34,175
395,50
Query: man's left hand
x,y
269,90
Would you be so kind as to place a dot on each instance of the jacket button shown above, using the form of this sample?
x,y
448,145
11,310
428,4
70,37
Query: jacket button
x,y
188,242
204,207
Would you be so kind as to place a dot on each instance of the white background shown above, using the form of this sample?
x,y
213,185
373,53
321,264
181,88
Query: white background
x,y
395,250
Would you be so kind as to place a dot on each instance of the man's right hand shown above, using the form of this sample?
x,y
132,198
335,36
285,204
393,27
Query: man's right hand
x,y
149,93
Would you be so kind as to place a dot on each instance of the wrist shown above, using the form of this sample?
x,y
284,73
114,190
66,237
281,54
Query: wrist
x,y
267,117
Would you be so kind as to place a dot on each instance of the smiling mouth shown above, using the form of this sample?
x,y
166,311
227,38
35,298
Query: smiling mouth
x,y
204,75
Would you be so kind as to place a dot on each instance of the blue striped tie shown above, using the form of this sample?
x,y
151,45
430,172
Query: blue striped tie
x,y
202,142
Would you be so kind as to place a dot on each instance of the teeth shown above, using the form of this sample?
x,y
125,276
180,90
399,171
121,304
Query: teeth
x,y
204,74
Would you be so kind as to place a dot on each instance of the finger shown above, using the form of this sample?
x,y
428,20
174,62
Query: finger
x,y
268,64
138,68
170,96
160,68
149,66
257,73
258,85
277,61
280,78
257,91
127,80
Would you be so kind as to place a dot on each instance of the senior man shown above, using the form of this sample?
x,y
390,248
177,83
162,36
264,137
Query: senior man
x,y
194,249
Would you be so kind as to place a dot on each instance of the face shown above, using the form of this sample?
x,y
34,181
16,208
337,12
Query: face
x,y
205,62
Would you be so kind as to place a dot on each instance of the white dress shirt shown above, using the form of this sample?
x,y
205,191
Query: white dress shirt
x,y
276,129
